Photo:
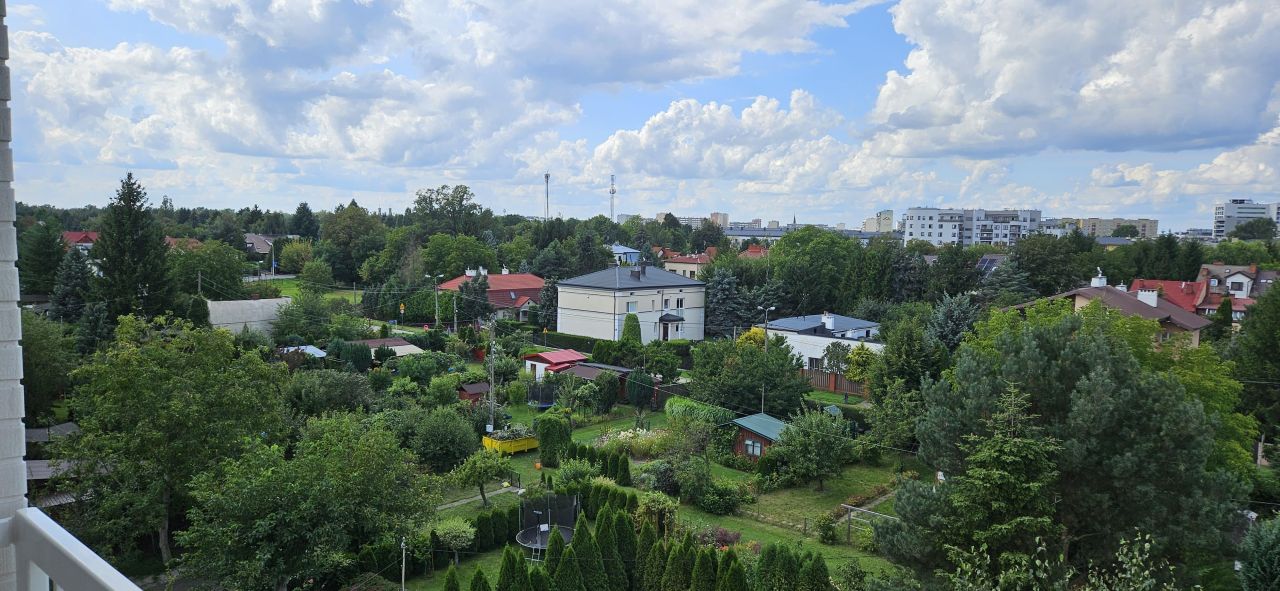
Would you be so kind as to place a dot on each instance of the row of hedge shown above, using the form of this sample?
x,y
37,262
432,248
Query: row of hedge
x,y
615,466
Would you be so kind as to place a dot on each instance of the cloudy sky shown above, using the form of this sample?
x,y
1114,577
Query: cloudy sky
x,y
826,111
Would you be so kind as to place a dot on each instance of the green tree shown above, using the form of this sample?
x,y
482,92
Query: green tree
x,y
726,308
202,400
554,261
1260,557
484,533
295,255
313,393
130,254
631,329
814,446
704,571
347,238
441,437
452,255
249,533
607,544
316,277
539,580
306,317
481,468
568,576
640,389
1256,361
456,535
1190,256
513,575
48,357
1092,395
813,263
953,273
1255,229
1007,285
555,551
627,544
707,235
655,565
1125,231
553,438
814,576
734,375
910,354
303,222
449,209
1221,322
212,269
1048,263
71,287
951,319
678,572
584,548
479,582
734,579
892,422
473,296
39,252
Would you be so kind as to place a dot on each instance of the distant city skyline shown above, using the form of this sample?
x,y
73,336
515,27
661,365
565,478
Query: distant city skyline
x,y
824,111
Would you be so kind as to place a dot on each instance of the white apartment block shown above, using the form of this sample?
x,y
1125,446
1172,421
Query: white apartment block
x,y
1233,212
1147,228
720,219
968,227
882,221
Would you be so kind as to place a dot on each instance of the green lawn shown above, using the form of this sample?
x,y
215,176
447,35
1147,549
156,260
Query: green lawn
x,y
624,421
755,531
290,288
833,398
490,562
885,507
470,510
796,504
727,473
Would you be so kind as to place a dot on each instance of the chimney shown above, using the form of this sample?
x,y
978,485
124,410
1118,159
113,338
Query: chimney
x,y
505,270
482,271
1149,297
470,272
635,274
1100,280
643,265
828,321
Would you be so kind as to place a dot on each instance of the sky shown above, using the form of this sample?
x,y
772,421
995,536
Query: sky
x,y
772,109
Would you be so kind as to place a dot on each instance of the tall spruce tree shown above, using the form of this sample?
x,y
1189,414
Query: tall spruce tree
x,y
655,566
1220,326
679,570
39,252
624,534
513,575
1257,362
479,582
130,254
555,551
814,576
607,543
734,579
539,580
303,223
71,287
588,555
726,307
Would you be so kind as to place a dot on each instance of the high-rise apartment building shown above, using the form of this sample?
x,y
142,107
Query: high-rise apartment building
x,y
1147,228
720,219
967,227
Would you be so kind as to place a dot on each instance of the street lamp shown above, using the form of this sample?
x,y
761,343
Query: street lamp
x,y
766,346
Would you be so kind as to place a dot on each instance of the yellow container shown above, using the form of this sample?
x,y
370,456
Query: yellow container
x,y
511,446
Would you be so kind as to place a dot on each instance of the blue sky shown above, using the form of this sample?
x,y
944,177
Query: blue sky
x,y
769,108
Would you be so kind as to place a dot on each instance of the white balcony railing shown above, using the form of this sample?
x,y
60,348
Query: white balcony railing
x,y
45,553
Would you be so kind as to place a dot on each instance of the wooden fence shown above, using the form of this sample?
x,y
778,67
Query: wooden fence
x,y
834,382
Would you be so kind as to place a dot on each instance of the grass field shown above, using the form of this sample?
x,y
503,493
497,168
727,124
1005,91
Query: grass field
x,y
796,504
290,288
754,531
833,398
489,562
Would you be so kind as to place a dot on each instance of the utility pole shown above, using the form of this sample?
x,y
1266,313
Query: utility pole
x,y
612,191
200,282
766,347
455,310
353,292
402,549
493,384
546,212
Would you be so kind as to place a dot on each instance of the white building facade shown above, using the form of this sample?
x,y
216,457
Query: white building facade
x,y
595,305
968,227
1233,212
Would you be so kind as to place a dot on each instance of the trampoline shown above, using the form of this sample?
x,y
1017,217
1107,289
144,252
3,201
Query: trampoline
x,y
541,518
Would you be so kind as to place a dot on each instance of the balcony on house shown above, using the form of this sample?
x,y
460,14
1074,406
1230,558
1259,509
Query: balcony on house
x,y
47,557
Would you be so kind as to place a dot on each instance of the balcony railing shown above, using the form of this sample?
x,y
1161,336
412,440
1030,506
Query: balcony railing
x,y
45,553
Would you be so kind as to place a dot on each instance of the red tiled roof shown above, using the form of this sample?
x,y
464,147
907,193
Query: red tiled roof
x,y
692,259
79,237
754,251
1183,294
511,290
1213,300
172,242
563,356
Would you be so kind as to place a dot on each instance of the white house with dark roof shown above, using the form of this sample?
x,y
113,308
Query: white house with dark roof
x,y
810,335
595,305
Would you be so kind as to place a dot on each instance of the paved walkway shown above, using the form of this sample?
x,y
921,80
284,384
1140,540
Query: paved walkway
x,y
470,500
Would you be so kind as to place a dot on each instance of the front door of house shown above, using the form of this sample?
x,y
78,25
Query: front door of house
x,y
666,331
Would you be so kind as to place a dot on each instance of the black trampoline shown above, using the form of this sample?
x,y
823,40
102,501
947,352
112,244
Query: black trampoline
x,y
541,518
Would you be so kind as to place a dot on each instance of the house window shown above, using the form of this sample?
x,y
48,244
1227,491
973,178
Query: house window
x,y
815,363
631,307
1237,286
753,448
680,303
1213,282
666,303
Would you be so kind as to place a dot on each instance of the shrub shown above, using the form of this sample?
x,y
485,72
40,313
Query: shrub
x,y
554,436
679,407
658,476
514,431
722,497
709,535
658,509
826,526
575,472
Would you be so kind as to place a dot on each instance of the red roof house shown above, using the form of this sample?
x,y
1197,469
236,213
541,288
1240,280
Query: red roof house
x,y
79,238
754,251
1184,294
509,293
552,361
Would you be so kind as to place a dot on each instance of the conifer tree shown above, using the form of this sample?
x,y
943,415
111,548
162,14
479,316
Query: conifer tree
x,y
624,534
439,554
624,472
704,571
734,579
498,527
451,579
814,576
131,256
71,287
1221,321
513,576
726,560
568,577
679,569
484,533
588,554
479,582
607,542
539,580
555,550
655,562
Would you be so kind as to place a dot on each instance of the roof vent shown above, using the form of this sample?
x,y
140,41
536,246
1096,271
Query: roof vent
x,y
1149,297
1100,280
